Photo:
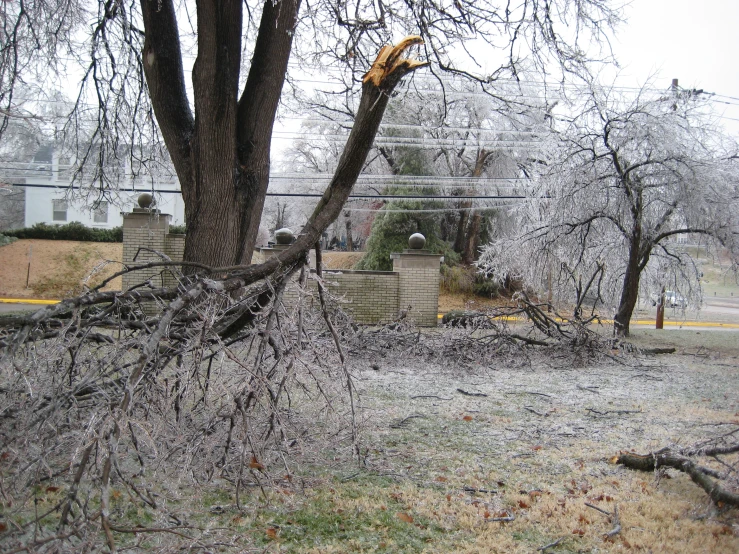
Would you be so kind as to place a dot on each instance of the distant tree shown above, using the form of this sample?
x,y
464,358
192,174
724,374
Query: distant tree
x,y
12,207
627,177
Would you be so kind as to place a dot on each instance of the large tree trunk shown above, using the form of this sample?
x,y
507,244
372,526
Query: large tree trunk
x,y
222,154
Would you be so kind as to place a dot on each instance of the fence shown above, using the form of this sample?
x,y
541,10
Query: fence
x,y
372,297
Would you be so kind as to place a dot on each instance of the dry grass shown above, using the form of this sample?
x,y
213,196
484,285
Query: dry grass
x,y
439,465
543,457
341,260
58,267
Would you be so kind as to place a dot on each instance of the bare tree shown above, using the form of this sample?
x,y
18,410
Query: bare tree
x,y
218,139
626,178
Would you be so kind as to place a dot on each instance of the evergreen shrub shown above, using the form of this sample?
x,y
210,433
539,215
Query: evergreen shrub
x,y
71,231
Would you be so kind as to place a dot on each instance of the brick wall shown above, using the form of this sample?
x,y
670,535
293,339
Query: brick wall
x,y
370,296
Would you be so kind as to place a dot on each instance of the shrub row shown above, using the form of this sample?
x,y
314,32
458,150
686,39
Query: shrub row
x,y
71,231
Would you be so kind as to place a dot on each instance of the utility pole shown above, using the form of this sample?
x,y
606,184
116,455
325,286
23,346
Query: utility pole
x,y
674,87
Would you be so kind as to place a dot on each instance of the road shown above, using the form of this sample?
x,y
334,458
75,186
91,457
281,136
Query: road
x,y
715,310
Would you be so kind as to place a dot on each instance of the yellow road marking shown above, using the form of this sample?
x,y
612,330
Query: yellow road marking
x,y
27,301
640,322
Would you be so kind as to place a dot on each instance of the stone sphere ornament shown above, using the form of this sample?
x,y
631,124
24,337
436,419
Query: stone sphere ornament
x,y
284,236
146,200
416,241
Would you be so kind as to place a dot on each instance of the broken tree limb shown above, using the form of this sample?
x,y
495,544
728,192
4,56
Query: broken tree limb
x,y
666,458
464,392
616,523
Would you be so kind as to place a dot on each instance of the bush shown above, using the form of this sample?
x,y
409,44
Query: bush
x,y
6,240
457,279
462,279
177,230
484,286
392,228
71,231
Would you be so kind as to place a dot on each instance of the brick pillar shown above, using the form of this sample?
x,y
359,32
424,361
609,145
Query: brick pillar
x,y
147,228
418,272
174,247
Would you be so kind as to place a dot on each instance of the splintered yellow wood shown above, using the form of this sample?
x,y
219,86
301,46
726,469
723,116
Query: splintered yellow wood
x,y
389,59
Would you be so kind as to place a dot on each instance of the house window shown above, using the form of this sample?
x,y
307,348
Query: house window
x,y
100,214
60,210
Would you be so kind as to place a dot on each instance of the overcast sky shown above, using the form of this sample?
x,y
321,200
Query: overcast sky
x,y
694,41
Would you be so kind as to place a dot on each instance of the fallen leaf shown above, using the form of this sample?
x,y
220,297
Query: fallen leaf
x,y
579,532
271,533
254,464
537,447
486,515
467,418
3,527
583,519
448,497
441,479
522,504
402,516
52,489
534,494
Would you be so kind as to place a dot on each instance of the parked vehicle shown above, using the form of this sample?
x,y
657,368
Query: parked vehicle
x,y
672,299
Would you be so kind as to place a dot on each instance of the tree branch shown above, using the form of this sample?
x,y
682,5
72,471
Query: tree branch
x,y
166,80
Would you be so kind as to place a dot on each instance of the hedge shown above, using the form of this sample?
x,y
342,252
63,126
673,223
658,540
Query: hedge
x,y
71,231
4,239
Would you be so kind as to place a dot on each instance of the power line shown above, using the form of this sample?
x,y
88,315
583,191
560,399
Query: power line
x,y
302,194
430,210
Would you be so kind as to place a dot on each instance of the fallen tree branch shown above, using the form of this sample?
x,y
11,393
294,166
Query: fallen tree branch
x,y
551,544
667,458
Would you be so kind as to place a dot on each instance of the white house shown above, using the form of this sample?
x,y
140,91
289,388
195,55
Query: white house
x,y
49,198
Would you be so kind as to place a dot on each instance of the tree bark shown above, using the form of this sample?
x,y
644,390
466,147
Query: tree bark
x,y
473,239
699,475
638,257
349,239
221,155
629,292
464,216
473,229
